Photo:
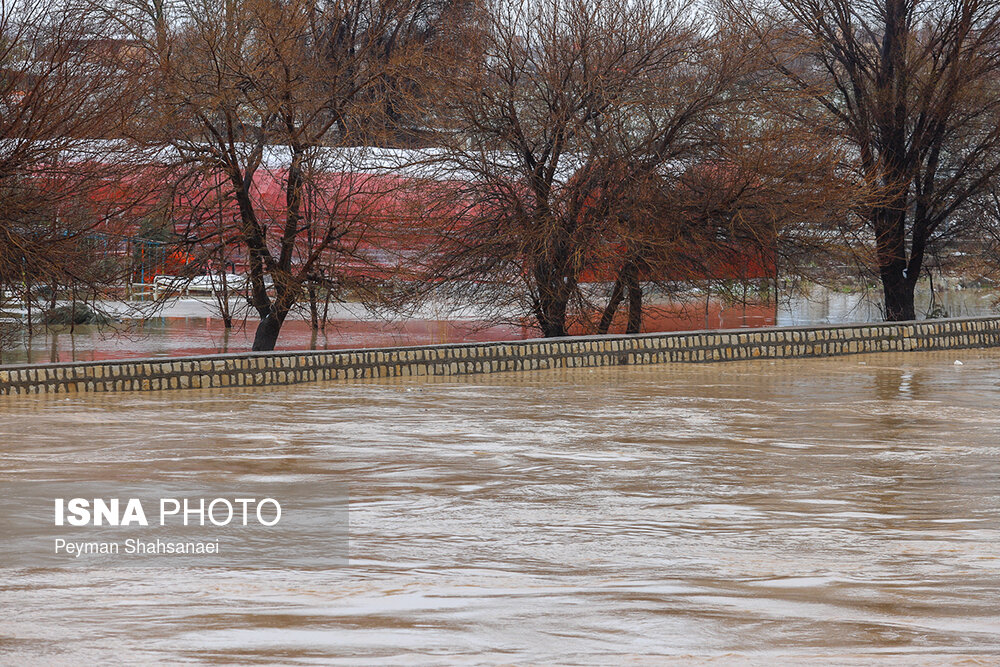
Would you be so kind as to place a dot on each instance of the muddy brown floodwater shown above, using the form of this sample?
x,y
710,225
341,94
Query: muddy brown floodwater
x,y
841,511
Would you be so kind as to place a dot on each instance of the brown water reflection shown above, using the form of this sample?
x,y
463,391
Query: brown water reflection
x,y
187,336
189,326
839,511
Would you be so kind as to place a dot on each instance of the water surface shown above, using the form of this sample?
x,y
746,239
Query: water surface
x,y
841,510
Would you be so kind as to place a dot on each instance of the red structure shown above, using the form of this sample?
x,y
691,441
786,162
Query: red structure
x,y
381,223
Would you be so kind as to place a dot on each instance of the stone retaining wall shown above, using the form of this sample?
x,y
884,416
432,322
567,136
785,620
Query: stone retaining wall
x,y
256,369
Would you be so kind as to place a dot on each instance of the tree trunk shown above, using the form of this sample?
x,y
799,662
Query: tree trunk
x,y
617,294
552,316
222,297
27,308
266,336
313,307
256,251
326,308
286,288
554,290
890,118
897,285
634,299
72,317
898,293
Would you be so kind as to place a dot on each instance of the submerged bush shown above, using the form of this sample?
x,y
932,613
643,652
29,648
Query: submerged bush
x,y
73,314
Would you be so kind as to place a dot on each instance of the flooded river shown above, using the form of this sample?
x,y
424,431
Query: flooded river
x,y
840,510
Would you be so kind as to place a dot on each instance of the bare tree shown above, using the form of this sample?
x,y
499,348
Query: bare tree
x,y
681,126
259,91
743,191
63,94
583,135
912,86
530,114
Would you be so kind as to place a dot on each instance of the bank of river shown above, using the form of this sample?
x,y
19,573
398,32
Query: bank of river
x,y
840,510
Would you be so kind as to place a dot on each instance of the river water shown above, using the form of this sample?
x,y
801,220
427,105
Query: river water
x,y
836,510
